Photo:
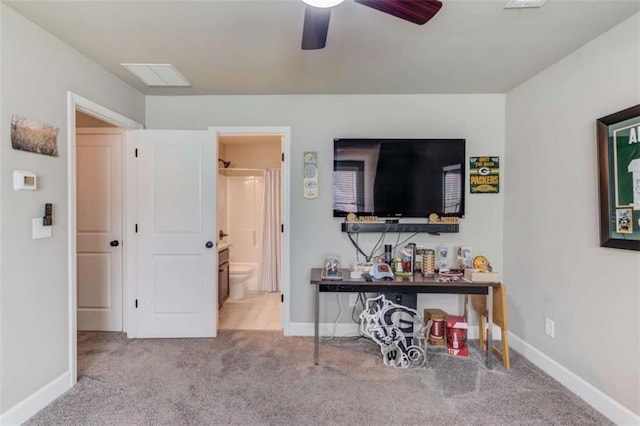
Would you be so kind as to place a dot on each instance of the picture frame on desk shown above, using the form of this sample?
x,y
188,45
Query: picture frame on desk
x,y
332,268
618,139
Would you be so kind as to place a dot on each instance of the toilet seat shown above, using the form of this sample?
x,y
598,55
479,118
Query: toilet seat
x,y
239,269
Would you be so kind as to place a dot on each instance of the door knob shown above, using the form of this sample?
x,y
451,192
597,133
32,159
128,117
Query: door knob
x,y
209,244
114,243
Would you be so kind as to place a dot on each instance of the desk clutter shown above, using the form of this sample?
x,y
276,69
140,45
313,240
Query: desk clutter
x,y
430,263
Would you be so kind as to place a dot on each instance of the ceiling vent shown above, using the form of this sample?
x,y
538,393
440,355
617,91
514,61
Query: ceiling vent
x,y
157,75
524,4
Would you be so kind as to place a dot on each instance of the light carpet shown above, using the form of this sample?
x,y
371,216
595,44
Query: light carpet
x,y
258,377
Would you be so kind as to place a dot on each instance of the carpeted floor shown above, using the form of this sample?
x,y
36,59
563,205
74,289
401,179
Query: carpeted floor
x,y
258,377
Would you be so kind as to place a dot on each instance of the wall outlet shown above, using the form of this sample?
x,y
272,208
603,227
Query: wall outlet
x,y
549,328
353,298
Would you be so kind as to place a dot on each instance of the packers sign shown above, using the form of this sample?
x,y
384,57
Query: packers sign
x,y
484,175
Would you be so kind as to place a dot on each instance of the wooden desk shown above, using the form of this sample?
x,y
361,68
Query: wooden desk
x,y
406,285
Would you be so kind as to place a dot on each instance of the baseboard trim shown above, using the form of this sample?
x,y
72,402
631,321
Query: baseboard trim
x,y
326,329
351,329
25,409
606,405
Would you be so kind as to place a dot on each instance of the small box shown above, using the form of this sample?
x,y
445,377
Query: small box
x,y
456,335
481,277
435,335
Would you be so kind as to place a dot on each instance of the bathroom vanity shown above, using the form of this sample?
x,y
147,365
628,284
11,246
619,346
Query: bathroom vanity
x,y
223,273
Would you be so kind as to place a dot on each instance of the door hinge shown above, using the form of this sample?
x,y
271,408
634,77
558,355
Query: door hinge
x,y
136,228
282,298
136,303
136,152
282,227
283,156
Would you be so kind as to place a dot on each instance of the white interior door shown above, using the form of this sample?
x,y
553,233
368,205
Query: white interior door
x,y
99,228
176,271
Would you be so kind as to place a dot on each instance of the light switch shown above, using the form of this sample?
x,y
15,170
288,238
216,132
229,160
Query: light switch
x,y
39,230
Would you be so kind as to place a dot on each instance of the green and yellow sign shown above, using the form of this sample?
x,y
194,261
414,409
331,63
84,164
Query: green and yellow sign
x,y
484,175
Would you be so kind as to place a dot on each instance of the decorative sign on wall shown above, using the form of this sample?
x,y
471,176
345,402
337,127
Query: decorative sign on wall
x,y
619,161
310,181
33,136
484,175
396,329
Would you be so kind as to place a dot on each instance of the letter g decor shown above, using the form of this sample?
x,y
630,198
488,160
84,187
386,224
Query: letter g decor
x,y
398,330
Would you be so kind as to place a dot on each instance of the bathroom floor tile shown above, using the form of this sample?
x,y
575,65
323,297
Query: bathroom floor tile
x,y
258,310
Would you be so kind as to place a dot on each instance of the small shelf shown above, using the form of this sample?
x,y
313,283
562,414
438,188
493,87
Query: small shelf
x,y
430,228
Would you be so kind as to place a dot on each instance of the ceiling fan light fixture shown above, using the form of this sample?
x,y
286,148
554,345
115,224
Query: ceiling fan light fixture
x,y
323,3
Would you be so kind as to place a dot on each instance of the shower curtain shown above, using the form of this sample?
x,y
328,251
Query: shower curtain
x,y
271,252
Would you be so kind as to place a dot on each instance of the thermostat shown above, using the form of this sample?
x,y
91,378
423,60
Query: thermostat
x,y
24,181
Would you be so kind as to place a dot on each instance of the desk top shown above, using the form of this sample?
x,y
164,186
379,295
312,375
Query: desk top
x,y
417,280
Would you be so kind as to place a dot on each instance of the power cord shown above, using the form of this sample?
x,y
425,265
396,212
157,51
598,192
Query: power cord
x,y
375,247
335,324
355,244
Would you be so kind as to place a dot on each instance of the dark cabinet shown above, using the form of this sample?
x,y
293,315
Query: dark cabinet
x,y
223,276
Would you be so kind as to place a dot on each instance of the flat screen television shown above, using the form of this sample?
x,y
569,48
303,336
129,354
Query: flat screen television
x,y
398,177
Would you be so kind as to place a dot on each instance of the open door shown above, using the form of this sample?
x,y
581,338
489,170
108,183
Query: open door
x,y
99,228
176,255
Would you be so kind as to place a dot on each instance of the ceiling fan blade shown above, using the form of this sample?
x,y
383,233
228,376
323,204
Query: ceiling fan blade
x,y
316,26
416,11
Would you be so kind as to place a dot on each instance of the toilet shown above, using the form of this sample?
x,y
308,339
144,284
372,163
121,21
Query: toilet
x,y
238,275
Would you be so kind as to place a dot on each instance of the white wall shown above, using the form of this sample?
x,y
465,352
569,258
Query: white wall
x,y
315,121
37,71
554,267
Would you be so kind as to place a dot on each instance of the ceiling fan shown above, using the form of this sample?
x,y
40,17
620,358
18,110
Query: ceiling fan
x,y
318,12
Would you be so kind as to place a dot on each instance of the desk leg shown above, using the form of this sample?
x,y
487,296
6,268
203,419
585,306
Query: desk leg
x,y
316,321
490,328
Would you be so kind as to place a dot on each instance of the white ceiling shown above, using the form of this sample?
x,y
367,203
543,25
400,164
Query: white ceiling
x,y
253,47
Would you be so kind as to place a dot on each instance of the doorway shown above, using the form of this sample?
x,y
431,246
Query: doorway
x,y
249,219
252,217
93,115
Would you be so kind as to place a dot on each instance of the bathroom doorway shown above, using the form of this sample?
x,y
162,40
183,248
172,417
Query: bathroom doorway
x,y
249,219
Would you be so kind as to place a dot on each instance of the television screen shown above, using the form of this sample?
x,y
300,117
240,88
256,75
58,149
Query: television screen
x,y
398,177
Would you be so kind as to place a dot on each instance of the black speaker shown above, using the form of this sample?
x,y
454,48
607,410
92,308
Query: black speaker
x,y
408,300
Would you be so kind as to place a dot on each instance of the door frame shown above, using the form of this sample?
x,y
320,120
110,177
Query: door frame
x,y
285,202
78,103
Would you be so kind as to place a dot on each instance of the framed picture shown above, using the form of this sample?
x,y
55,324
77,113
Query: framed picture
x,y
619,171
33,136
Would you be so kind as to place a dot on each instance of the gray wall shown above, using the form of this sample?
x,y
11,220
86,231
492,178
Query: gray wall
x,y
37,70
554,266
315,121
